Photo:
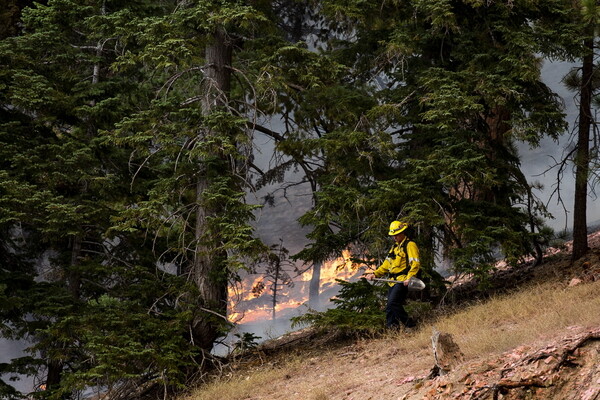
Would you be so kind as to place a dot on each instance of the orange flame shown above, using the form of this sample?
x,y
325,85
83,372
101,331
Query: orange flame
x,y
250,302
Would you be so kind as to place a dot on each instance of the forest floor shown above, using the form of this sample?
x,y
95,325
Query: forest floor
x,y
536,336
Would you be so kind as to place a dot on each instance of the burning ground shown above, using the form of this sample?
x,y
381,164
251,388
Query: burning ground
x,y
251,301
540,340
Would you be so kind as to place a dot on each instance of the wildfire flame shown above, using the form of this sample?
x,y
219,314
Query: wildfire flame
x,y
247,304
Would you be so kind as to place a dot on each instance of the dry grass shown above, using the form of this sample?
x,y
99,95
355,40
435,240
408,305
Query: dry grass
x,y
237,387
369,368
541,311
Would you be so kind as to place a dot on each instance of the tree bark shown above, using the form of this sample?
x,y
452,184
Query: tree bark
x,y
315,286
275,290
54,374
208,268
580,242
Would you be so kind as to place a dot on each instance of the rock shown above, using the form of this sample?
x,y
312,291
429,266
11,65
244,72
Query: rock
x,y
446,353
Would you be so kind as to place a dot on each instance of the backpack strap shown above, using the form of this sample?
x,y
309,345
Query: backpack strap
x,y
391,254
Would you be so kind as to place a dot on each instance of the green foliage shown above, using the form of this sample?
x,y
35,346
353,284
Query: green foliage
x,y
126,340
437,148
358,308
93,305
124,168
246,341
419,310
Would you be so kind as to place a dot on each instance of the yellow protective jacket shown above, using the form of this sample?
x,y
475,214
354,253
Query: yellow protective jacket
x,y
400,266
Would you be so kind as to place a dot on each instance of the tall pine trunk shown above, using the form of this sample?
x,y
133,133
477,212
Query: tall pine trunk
x,y
275,291
208,269
315,286
580,241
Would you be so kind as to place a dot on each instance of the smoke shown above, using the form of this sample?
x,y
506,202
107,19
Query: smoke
x,y
278,223
539,164
10,349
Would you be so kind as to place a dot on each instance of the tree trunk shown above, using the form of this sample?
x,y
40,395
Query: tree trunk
x,y
208,277
54,374
580,242
275,287
314,286
208,268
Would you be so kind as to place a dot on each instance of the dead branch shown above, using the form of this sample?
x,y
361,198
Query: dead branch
x,y
564,357
594,335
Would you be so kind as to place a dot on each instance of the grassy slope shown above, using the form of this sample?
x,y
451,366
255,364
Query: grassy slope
x,y
541,311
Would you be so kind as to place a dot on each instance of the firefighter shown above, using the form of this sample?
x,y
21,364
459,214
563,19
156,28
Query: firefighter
x,y
401,264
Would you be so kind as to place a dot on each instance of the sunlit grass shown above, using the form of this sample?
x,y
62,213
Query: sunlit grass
x,y
242,386
508,321
494,326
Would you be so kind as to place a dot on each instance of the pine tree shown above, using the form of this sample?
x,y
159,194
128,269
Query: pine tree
x,y
223,76
589,20
126,156
194,138
456,84
73,285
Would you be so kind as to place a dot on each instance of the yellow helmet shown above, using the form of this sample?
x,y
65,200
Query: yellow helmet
x,y
396,227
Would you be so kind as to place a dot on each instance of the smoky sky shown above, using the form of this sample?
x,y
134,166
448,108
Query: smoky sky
x,y
539,164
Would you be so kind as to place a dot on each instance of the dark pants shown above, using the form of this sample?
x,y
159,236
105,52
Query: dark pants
x,y
395,312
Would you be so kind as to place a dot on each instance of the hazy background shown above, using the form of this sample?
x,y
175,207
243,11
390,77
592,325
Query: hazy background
x,y
538,160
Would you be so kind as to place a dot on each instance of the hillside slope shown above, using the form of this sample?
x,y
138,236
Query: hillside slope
x,y
540,341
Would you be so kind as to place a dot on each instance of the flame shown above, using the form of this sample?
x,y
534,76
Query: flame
x,y
251,302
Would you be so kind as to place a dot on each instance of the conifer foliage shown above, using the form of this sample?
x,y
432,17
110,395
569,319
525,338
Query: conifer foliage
x,y
455,84
127,143
359,309
93,304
